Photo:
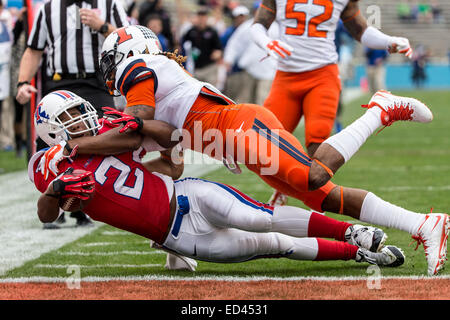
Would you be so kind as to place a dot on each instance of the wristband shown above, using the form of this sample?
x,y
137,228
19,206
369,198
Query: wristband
x,y
52,195
21,83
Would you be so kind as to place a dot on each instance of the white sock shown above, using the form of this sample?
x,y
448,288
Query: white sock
x,y
349,140
304,249
291,221
377,211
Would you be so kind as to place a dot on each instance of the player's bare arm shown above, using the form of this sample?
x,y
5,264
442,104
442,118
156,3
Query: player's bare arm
x,y
108,143
48,205
166,163
353,20
159,131
266,13
142,111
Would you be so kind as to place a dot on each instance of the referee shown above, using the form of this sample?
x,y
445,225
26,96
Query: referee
x,y
71,32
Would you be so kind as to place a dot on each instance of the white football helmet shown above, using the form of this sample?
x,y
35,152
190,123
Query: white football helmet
x,y
123,43
46,117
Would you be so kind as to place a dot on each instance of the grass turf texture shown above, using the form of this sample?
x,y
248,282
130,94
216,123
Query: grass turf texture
x,y
9,162
407,164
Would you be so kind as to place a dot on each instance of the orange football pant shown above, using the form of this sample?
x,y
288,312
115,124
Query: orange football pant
x,y
254,136
312,94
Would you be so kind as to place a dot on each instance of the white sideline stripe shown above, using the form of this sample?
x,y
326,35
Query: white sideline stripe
x,y
217,278
116,233
21,235
113,253
94,266
111,243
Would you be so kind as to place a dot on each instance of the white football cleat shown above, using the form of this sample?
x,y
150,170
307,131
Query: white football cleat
x,y
389,256
369,238
179,262
395,108
433,233
175,261
278,199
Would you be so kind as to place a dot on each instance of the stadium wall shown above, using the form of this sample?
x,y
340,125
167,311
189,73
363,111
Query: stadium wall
x,y
399,77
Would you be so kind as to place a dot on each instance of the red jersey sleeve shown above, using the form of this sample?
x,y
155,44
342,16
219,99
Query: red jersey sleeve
x,y
35,174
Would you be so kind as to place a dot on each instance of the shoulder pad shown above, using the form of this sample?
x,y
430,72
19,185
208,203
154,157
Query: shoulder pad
x,y
130,72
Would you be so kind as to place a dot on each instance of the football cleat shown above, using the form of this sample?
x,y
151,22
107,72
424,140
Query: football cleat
x,y
278,199
396,108
389,256
369,238
433,234
174,260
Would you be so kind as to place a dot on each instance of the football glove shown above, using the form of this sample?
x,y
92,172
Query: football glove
x,y
400,45
53,156
116,118
67,185
278,49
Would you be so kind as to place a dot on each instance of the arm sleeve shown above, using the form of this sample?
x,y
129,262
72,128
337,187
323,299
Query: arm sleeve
x,y
38,35
142,93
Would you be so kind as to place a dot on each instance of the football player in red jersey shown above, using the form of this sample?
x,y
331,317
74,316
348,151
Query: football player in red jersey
x,y
201,219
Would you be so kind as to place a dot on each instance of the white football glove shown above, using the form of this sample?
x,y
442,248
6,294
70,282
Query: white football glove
x,y
278,49
275,48
51,158
400,45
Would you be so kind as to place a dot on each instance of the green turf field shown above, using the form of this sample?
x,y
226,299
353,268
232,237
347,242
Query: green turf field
x,y
9,162
407,164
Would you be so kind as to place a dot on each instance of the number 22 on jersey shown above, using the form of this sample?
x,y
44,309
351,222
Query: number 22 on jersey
x,y
313,22
119,184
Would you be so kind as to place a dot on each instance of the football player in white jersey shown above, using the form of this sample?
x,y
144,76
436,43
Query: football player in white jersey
x,y
307,82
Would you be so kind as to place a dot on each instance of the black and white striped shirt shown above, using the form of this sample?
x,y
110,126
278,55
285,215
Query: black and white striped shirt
x,y
71,46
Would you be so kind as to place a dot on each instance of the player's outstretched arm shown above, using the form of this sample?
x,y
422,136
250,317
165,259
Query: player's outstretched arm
x,y
158,130
108,143
369,36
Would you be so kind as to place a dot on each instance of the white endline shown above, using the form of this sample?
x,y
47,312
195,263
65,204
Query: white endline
x,y
217,278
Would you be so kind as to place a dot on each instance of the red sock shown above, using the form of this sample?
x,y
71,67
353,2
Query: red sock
x,y
335,250
321,226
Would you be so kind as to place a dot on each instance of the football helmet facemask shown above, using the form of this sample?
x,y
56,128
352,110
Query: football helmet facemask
x,y
49,126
